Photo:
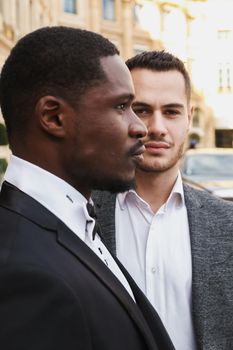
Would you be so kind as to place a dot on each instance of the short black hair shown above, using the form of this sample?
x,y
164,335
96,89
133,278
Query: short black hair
x,y
160,61
58,61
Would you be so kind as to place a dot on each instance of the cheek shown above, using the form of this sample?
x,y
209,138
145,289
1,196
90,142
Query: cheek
x,y
179,132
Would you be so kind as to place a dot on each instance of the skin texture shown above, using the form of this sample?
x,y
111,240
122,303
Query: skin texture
x,y
162,105
94,145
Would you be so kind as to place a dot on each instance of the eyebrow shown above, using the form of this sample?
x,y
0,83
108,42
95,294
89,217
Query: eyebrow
x,y
130,97
138,103
169,105
173,105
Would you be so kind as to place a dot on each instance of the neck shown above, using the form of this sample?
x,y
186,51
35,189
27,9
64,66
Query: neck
x,y
52,165
155,187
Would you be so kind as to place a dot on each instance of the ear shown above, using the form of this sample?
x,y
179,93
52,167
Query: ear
x,y
51,113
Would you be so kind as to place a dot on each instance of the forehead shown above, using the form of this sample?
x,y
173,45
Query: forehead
x,y
118,76
152,85
117,87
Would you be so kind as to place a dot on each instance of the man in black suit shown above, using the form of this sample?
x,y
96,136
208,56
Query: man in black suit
x,y
66,99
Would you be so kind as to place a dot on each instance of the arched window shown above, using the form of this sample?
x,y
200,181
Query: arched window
x,y
109,11
70,6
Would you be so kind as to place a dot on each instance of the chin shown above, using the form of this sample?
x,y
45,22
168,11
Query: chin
x,y
157,167
147,166
114,185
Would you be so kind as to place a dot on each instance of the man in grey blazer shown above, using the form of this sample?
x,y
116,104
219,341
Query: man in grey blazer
x,y
174,240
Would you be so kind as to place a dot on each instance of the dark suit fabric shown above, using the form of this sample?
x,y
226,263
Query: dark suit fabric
x,y
211,234
55,293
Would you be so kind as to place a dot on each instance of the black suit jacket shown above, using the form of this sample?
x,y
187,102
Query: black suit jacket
x,y
55,293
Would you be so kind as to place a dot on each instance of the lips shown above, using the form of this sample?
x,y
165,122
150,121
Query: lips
x,y
157,145
137,152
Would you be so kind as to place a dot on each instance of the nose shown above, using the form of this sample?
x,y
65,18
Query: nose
x,y
156,125
137,128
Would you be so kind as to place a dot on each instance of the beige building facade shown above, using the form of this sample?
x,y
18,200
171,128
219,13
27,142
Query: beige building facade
x,y
210,47
133,25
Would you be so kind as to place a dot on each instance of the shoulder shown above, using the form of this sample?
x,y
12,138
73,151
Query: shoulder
x,y
206,201
45,304
209,217
13,272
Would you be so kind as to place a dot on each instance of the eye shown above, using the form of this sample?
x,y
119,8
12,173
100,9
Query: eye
x,y
171,113
121,106
141,112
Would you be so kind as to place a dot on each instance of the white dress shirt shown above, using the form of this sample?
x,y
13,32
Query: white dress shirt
x,y
155,249
65,202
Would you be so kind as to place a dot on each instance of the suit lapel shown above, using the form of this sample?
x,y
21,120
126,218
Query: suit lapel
x,y
153,320
85,255
17,201
200,247
211,243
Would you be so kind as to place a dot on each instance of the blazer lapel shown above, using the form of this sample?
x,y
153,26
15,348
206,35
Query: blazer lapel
x,y
85,255
200,247
15,200
19,202
212,262
153,320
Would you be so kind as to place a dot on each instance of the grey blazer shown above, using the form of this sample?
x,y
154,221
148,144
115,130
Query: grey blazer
x,y
211,230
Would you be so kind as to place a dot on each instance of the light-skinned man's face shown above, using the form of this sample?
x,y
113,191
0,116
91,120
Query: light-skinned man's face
x,y
161,103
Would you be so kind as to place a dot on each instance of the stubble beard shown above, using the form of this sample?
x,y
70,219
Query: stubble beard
x,y
155,167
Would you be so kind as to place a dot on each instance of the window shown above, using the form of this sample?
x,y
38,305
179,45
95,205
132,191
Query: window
x,y
224,77
224,138
70,6
223,35
225,61
109,9
136,12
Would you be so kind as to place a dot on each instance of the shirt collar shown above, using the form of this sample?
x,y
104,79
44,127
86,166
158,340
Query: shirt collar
x,y
176,196
63,200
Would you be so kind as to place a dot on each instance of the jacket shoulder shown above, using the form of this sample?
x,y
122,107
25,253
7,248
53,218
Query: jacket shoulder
x,y
207,201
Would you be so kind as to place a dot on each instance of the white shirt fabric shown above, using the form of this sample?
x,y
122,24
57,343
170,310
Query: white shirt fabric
x,y
156,250
65,202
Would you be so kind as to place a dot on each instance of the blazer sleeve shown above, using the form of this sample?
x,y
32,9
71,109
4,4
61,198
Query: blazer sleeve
x,y
39,311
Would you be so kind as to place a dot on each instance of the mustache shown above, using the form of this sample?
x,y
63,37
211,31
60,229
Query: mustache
x,y
158,139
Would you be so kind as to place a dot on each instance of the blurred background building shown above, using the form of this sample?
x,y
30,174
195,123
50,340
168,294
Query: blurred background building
x,y
198,32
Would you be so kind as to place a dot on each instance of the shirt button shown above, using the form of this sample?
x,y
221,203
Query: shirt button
x,y
153,269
